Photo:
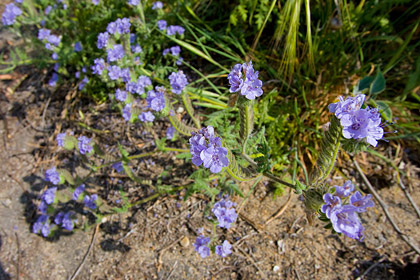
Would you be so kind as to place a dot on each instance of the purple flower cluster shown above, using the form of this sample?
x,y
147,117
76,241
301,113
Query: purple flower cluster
x,y
78,191
173,29
178,81
47,198
84,145
118,166
99,66
247,82
126,112
102,40
42,225
156,99
120,95
225,213
60,139
115,53
90,201
10,13
161,24
170,132
157,5
201,246
358,123
343,216
224,250
175,50
146,117
78,47
133,2
207,149
65,220
51,175
120,26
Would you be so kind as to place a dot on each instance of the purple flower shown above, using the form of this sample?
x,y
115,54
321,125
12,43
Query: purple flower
x,y
95,2
112,27
136,49
90,201
54,40
133,2
49,195
48,10
78,191
157,5
120,95
170,132
345,190
78,47
60,139
343,107
179,61
144,81
118,167
251,87
344,220
225,213
42,224
126,112
10,13
123,25
125,75
224,250
361,202
201,246
54,56
117,52
42,207
83,83
114,72
99,66
51,175
359,124
65,220
53,81
175,50
331,202
155,99
235,78
178,81
43,33
146,117
102,40
173,29
84,145
162,24
214,158
132,38
165,52
56,66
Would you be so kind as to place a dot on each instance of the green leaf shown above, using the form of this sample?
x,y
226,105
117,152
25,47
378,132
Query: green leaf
x,y
183,156
123,152
66,175
385,110
364,83
378,84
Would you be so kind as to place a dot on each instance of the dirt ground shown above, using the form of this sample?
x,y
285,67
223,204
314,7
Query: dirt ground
x,y
154,240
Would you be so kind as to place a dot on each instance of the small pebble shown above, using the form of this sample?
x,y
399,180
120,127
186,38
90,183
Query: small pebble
x,y
185,242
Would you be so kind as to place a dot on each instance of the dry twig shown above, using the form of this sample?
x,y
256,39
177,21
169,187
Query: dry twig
x,y
282,209
79,268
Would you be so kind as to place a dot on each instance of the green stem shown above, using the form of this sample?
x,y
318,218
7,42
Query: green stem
x,y
190,110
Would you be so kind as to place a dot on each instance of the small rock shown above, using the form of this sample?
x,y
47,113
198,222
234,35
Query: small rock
x,y
276,268
185,242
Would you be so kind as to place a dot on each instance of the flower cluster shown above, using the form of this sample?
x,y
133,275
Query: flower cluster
x,y
174,29
10,13
225,213
358,123
156,99
243,78
343,216
157,5
207,149
120,26
65,220
84,145
178,81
